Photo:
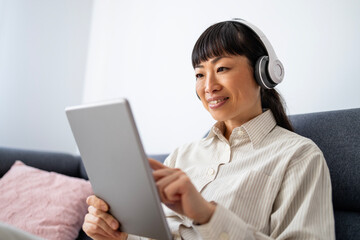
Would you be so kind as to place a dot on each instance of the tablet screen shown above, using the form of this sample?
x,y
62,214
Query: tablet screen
x,y
117,167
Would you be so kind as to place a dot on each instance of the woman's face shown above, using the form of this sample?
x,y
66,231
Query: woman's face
x,y
227,89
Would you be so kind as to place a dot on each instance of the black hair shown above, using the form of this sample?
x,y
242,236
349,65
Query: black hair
x,y
234,38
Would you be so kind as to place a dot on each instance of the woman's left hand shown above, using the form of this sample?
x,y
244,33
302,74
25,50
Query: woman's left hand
x,y
179,194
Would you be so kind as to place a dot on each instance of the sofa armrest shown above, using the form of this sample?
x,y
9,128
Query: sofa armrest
x,y
64,163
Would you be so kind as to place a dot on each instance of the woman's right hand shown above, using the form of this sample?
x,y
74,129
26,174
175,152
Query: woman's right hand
x,y
99,224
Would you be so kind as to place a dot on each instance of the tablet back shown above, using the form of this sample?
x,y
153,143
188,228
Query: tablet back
x,y
117,166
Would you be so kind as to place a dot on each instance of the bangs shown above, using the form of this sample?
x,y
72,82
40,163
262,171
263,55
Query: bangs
x,y
224,38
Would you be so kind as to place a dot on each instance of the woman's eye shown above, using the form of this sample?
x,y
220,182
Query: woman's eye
x,y
221,69
199,75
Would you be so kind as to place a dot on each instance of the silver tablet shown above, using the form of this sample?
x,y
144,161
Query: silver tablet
x,y
117,166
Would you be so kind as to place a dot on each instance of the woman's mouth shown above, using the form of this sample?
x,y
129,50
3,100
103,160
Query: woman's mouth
x,y
216,103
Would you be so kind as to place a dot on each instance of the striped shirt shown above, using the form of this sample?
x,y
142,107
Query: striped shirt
x,y
268,183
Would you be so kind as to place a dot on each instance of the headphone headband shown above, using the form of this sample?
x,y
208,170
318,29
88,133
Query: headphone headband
x,y
275,67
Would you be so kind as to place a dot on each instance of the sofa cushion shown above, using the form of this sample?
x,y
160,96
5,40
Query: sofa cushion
x,y
337,133
59,162
46,204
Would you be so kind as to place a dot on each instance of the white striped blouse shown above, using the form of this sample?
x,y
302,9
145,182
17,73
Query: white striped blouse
x,y
268,183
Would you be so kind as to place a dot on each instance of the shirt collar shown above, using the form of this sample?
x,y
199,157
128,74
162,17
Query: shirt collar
x,y
256,129
216,130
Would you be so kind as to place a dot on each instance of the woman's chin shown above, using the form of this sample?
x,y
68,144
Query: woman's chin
x,y
219,117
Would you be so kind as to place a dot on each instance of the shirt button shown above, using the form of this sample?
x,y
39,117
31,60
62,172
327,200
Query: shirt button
x,y
211,171
224,236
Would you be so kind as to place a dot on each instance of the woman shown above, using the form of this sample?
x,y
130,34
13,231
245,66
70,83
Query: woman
x,y
251,177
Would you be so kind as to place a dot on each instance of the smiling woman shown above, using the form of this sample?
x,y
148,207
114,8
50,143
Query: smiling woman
x,y
251,177
233,40
227,89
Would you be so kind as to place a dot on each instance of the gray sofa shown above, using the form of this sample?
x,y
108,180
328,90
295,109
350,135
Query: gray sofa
x,y
337,133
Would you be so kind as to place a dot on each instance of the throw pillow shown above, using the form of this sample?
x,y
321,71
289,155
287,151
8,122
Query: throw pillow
x,y
46,204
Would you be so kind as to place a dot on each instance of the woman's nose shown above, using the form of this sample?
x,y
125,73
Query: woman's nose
x,y
212,84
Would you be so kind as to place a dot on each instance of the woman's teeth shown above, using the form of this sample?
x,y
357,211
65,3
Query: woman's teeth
x,y
217,101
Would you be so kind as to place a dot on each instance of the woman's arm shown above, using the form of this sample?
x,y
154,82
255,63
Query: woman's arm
x,y
179,194
302,208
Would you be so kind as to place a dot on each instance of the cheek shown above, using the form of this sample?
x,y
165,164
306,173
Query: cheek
x,y
246,92
199,89
200,92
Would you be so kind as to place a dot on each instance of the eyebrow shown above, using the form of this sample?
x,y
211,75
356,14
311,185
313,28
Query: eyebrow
x,y
212,61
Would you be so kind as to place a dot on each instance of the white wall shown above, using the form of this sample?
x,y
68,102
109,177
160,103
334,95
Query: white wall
x,y
141,50
43,52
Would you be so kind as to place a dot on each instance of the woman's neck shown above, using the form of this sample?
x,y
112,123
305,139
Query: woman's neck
x,y
230,125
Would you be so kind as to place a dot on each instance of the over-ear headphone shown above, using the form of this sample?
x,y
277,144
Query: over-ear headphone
x,y
269,71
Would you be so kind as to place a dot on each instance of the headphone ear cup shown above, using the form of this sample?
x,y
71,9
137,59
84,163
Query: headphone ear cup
x,y
262,76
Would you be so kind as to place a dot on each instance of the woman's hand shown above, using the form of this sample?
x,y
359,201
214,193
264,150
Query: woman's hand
x,y
99,224
179,194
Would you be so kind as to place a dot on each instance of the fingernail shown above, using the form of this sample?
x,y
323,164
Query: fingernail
x,y
114,225
103,207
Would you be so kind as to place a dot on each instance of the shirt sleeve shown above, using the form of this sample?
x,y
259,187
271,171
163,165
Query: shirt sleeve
x,y
302,209
170,161
134,237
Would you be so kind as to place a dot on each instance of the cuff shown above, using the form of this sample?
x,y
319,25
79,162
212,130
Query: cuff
x,y
133,237
224,224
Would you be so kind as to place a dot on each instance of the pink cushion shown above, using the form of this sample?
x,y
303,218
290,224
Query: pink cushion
x,y
46,204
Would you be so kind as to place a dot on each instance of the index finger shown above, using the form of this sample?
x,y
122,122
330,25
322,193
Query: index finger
x,y
154,164
97,203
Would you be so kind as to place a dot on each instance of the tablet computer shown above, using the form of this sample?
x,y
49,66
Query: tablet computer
x,y
117,167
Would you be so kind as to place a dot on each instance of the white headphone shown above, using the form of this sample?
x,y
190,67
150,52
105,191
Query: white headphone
x,y
269,71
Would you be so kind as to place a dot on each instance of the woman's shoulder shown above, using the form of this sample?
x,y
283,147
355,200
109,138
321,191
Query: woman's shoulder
x,y
283,134
292,141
